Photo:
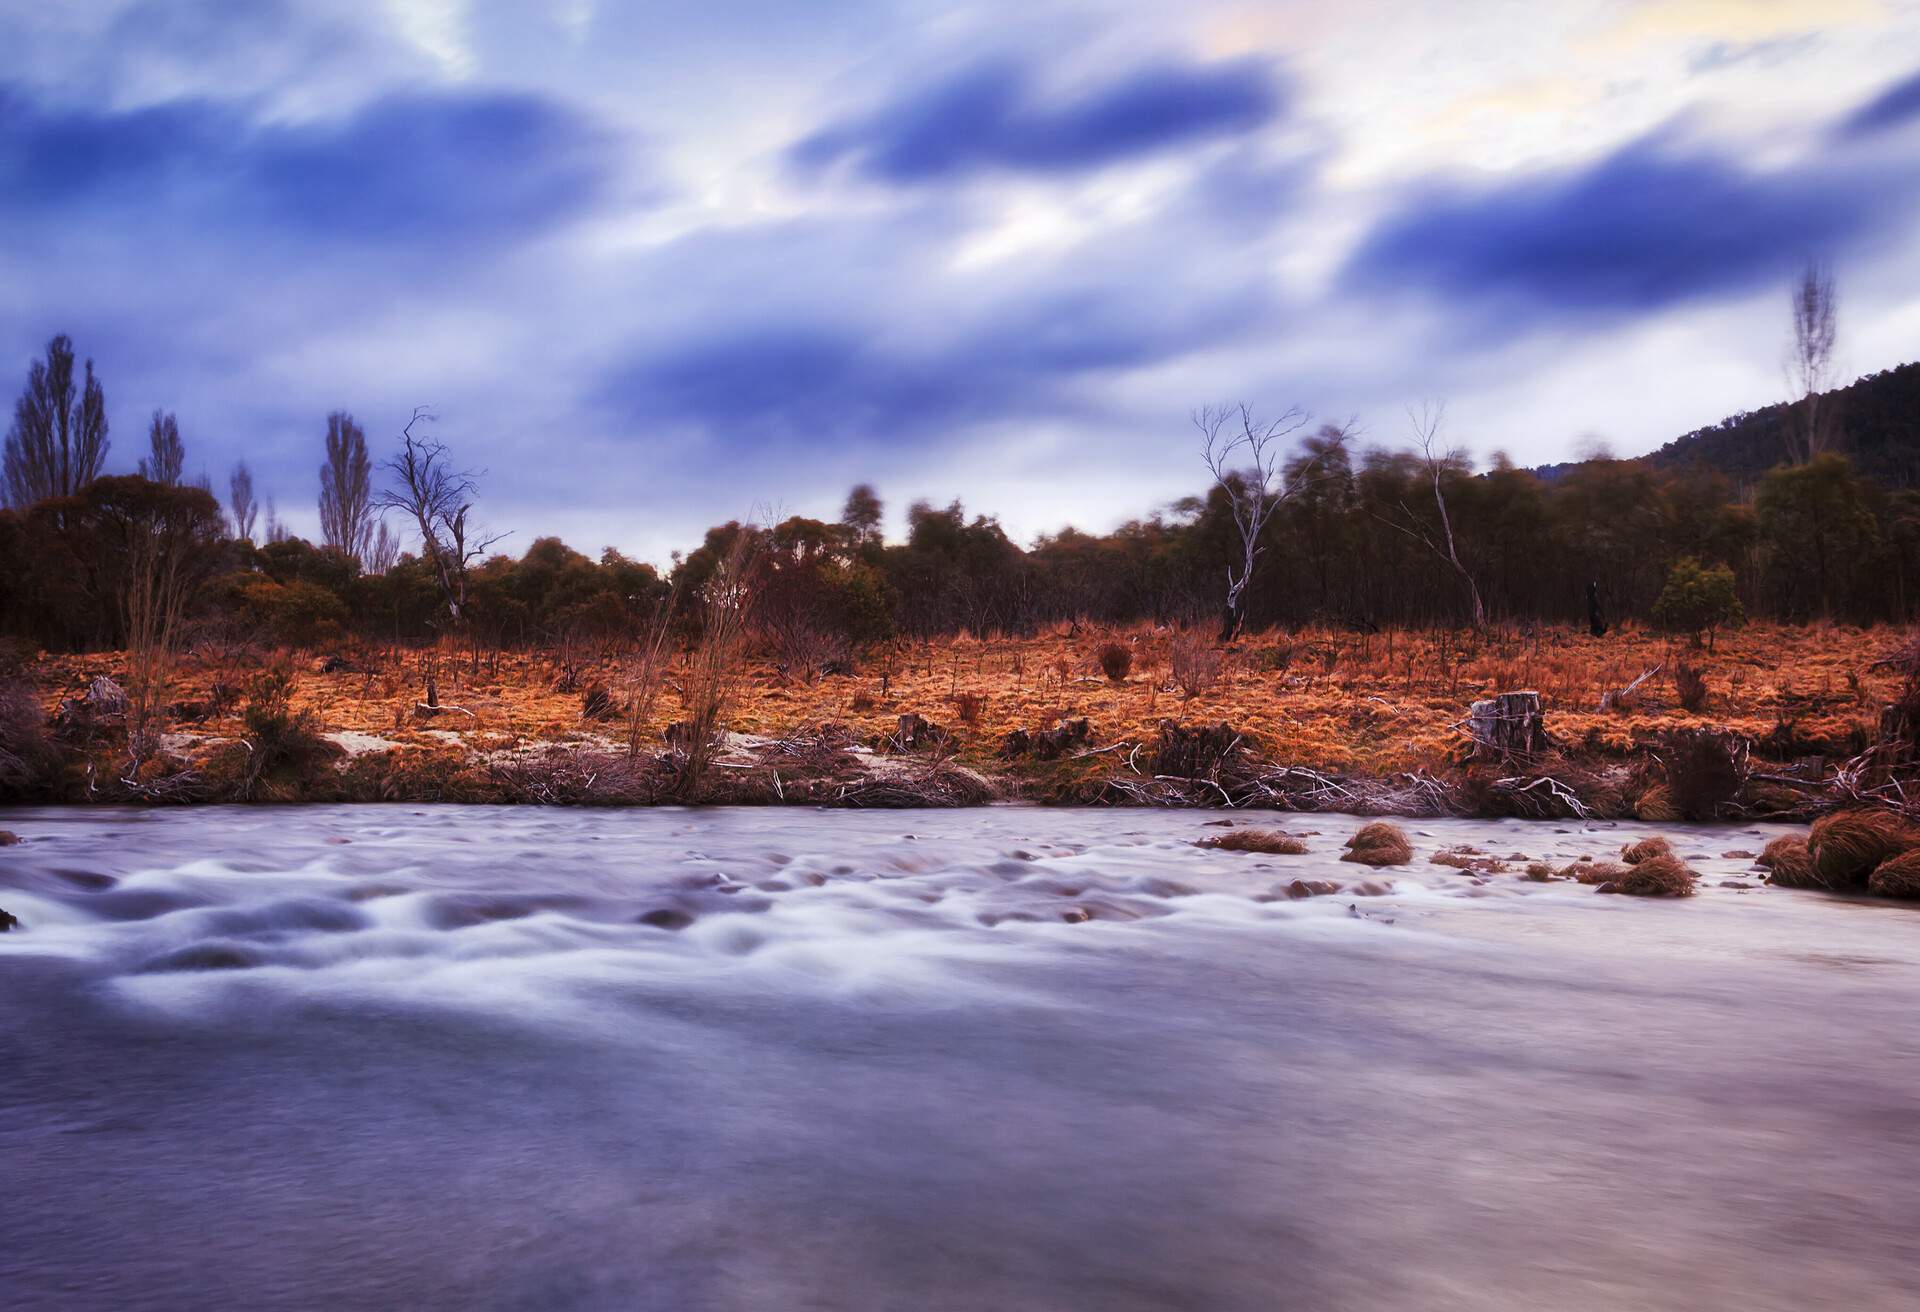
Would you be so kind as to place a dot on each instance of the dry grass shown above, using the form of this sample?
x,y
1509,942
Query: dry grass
x,y
1270,841
1664,875
1897,877
1371,704
1379,844
1790,861
1848,846
1646,850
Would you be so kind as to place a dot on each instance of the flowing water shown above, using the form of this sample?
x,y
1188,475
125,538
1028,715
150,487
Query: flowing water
x,y
374,1057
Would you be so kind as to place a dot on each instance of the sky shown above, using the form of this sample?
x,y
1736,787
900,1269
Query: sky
x,y
656,266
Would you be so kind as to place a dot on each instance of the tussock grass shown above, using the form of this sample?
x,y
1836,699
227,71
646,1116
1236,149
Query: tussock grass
x,y
1270,841
1379,844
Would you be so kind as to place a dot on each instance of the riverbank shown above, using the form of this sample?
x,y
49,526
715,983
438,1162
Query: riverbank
x,y
1312,720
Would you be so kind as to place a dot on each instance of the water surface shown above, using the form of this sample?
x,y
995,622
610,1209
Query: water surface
x,y
374,1057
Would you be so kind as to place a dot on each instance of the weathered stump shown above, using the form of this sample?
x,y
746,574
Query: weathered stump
x,y
1507,725
917,733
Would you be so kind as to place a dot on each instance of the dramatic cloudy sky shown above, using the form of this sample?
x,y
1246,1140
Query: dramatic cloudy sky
x,y
657,264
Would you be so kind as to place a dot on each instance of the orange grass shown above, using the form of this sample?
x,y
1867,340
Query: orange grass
x,y
1328,699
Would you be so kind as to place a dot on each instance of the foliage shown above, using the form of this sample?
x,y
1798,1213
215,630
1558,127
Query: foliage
x,y
1698,599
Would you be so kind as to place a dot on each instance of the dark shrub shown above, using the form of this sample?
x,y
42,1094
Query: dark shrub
x,y
1116,660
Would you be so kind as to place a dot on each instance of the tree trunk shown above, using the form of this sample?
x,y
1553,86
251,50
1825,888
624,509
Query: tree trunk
x,y
1507,725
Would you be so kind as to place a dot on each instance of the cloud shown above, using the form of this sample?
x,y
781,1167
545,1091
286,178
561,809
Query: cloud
x,y
994,116
431,171
1898,105
1647,227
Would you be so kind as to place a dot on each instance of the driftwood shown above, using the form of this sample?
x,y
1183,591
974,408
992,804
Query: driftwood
x,y
1507,725
1617,698
426,711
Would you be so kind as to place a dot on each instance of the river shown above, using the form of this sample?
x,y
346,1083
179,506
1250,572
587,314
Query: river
x,y
384,1057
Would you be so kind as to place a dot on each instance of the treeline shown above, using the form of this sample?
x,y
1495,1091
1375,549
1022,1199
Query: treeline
x,y
1358,538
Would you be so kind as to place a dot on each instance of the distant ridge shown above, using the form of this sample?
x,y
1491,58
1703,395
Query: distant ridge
x,y
1878,425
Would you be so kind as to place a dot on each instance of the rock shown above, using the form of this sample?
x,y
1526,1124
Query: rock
x,y
8,922
1737,854
1301,888
665,918
1076,915
8,838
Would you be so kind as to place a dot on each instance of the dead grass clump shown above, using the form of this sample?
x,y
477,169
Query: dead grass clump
x,y
1592,872
1271,841
966,707
1664,875
1897,877
573,776
1116,660
1645,850
1846,847
1656,806
1194,751
1790,861
1541,873
1379,844
1690,685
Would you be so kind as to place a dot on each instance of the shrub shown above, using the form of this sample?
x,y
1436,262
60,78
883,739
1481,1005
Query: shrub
x,y
286,750
1657,876
1846,847
1690,685
29,762
1270,841
1379,844
967,706
1116,659
1697,599
1195,663
1706,769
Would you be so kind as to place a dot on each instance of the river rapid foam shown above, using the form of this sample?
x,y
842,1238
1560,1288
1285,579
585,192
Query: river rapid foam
x,y
1005,1058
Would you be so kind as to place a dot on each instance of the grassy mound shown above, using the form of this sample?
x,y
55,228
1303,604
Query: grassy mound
x,y
1847,847
1271,841
1790,861
1664,875
1897,877
1646,850
1379,844
1592,872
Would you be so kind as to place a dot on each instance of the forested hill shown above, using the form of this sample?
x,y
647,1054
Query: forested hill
x,y
1878,422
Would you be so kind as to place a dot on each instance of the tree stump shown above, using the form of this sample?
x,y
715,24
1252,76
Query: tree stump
x,y
1507,725
916,733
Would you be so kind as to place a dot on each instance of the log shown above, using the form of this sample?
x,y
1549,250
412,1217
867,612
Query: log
x,y
1507,725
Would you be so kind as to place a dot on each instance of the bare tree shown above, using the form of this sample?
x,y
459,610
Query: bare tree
x,y
438,498
1247,458
1428,420
1810,364
240,502
58,442
165,455
277,531
716,661
383,550
346,489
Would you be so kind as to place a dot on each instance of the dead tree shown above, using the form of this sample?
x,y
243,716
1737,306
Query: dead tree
x,y
1246,458
438,498
1427,421
1810,363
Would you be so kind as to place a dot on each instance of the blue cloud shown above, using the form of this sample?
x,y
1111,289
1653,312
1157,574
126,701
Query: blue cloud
x,y
417,168
992,115
1899,104
1645,228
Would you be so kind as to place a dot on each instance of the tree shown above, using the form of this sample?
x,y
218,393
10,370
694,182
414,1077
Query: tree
x,y
1810,364
165,455
240,501
346,489
383,549
861,516
58,443
1427,421
438,499
277,531
1232,435
1698,599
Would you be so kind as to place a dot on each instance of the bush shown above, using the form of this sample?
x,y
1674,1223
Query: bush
x,y
1195,663
1270,841
1698,599
1690,685
1379,844
1789,861
29,762
287,752
1116,659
